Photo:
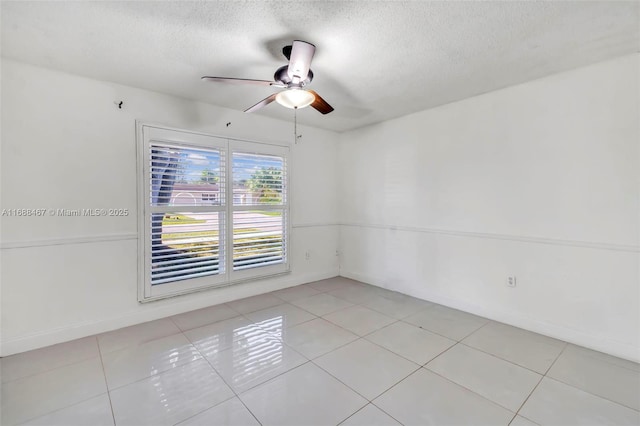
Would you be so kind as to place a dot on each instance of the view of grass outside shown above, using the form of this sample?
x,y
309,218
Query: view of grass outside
x,y
199,243
173,219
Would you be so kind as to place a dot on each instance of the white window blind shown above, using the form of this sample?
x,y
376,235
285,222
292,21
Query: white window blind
x,y
214,211
259,206
185,243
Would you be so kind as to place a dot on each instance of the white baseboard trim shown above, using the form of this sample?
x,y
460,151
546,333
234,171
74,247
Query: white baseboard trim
x,y
146,313
599,343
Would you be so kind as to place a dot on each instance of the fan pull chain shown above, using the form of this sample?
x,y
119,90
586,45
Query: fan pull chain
x,y
295,126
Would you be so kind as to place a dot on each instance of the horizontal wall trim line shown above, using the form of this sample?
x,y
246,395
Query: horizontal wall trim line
x,y
520,238
71,240
111,237
314,225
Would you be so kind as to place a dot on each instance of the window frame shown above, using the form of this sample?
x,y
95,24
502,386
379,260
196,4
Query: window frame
x,y
148,134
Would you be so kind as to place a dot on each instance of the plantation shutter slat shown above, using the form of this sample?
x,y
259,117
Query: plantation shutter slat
x,y
258,235
185,244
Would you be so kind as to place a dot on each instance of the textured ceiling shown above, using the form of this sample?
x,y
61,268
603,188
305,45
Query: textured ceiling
x,y
374,60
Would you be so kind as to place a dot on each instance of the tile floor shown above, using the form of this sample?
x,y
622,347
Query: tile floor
x,y
325,353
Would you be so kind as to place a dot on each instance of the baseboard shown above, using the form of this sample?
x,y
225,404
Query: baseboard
x,y
599,343
148,313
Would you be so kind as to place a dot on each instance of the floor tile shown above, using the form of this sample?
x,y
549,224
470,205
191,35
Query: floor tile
x,y
95,412
297,292
277,318
357,295
306,395
316,337
381,291
400,297
500,381
366,368
156,373
424,398
229,413
136,334
219,336
397,309
34,396
530,350
598,376
630,365
169,397
359,320
246,365
321,304
138,362
414,343
255,303
521,421
203,316
554,403
331,284
49,358
447,322
370,416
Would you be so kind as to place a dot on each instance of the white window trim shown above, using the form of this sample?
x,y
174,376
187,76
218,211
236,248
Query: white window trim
x,y
145,133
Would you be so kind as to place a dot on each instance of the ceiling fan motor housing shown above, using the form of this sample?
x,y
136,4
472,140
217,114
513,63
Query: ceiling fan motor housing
x,y
282,76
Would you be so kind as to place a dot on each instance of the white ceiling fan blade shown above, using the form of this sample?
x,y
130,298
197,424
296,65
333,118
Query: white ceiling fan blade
x,y
300,61
238,80
266,101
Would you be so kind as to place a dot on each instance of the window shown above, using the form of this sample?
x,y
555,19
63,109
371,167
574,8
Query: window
x,y
214,211
209,198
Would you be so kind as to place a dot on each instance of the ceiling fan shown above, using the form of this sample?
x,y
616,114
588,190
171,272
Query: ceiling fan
x,y
293,77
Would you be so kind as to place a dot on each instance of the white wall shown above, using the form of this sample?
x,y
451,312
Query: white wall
x,y
539,180
66,145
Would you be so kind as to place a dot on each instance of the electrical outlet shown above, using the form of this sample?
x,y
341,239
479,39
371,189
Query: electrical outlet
x,y
307,255
511,281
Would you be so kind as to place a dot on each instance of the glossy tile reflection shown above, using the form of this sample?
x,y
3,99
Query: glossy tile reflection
x,y
330,352
249,363
129,365
277,318
214,338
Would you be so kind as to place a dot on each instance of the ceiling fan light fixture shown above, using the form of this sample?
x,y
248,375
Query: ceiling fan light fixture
x,y
295,98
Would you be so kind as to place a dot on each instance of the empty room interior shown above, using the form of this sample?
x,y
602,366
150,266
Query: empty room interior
x,y
320,213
